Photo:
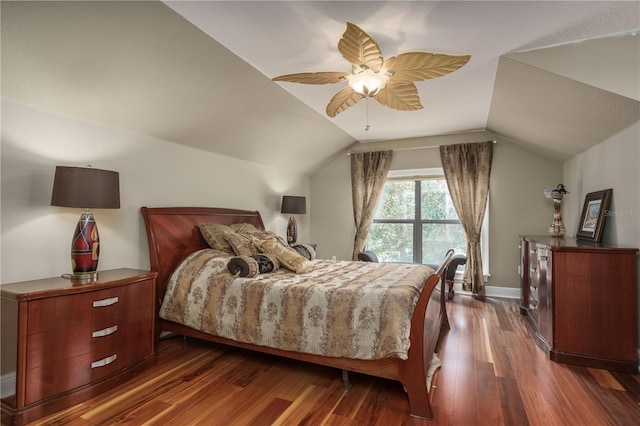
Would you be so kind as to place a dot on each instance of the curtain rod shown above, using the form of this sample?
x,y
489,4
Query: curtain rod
x,y
417,147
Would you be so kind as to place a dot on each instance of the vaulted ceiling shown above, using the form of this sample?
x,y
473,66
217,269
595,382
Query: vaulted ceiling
x,y
556,77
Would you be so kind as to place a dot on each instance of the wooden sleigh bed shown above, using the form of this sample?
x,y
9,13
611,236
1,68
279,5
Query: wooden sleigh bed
x,y
173,235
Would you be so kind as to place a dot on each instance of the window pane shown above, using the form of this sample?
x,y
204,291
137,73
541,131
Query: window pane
x,y
438,238
397,200
435,200
392,242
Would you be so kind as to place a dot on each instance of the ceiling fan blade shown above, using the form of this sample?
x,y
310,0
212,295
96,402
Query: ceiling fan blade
x,y
342,100
417,66
314,77
403,96
359,48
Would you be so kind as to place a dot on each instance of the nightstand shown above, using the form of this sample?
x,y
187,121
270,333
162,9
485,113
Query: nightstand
x,y
64,343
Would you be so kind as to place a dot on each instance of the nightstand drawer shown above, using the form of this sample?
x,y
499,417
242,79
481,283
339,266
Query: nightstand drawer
x,y
63,375
54,345
97,307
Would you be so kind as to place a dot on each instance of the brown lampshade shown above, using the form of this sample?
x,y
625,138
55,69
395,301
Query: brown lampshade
x,y
86,188
294,205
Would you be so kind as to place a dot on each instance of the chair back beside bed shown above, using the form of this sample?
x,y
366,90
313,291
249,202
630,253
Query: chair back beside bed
x,y
173,234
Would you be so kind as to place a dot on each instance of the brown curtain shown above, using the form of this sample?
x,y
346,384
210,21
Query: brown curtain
x,y
368,174
467,168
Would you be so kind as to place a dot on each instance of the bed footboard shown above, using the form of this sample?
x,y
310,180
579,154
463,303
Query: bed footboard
x,y
429,319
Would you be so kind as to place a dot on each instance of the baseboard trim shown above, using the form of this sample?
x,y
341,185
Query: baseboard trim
x,y
491,291
7,385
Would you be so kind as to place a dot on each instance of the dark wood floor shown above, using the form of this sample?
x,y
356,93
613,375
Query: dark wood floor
x,y
492,374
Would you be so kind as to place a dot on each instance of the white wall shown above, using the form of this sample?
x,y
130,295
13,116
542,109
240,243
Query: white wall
x,y
36,237
614,163
517,203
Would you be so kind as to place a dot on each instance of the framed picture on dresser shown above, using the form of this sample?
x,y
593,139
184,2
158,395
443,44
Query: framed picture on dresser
x,y
594,214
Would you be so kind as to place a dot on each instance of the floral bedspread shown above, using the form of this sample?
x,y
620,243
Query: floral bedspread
x,y
339,309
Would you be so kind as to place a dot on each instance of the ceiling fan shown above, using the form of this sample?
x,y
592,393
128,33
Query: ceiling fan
x,y
389,81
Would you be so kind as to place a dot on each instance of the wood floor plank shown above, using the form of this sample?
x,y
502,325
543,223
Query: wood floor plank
x,y
466,393
271,412
444,394
605,379
313,406
512,406
630,383
616,406
352,400
574,405
502,314
489,408
483,350
502,365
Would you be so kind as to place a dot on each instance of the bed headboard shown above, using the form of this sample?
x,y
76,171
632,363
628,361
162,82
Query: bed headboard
x,y
173,234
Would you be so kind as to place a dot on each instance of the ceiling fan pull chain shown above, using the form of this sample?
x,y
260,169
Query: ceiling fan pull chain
x,y
366,127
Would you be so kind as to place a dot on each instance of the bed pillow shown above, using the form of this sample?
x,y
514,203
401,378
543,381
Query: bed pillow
x,y
271,236
286,256
243,266
242,245
250,266
213,234
243,228
305,250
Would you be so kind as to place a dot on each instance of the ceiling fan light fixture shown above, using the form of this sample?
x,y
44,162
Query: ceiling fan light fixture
x,y
367,83
390,81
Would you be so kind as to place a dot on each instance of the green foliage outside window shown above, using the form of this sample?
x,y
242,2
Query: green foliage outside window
x,y
393,233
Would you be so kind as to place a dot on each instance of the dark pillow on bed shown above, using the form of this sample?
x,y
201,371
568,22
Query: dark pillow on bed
x,y
305,250
213,234
243,266
250,266
241,244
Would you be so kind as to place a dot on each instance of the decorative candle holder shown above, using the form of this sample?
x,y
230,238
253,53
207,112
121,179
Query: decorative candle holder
x,y
557,228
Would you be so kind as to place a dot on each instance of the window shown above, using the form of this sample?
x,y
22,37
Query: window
x,y
404,230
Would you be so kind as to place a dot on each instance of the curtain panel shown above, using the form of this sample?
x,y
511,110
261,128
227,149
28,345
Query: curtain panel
x,y
368,174
467,169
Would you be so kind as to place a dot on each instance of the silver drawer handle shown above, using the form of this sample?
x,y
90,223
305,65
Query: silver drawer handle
x,y
105,331
105,302
106,361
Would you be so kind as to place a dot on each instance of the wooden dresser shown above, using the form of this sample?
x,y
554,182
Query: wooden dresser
x,y
65,343
582,300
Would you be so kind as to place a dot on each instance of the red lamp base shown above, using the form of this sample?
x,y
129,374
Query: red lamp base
x,y
85,249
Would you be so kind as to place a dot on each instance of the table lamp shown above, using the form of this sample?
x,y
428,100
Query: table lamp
x,y
86,188
293,205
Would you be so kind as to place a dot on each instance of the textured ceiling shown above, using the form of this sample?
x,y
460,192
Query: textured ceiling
x,y
198,73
